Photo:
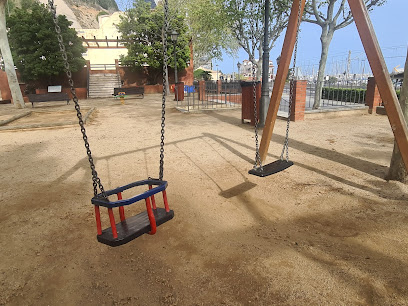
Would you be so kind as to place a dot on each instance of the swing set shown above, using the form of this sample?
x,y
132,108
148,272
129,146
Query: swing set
x,y
146,222
378,67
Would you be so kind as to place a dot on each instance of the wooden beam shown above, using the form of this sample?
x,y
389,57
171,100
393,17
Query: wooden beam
x,y
95,40
381,75
85,40
283,68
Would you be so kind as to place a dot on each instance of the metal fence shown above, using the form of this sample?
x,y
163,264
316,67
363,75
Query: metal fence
x,y
103,67
213,96
334,95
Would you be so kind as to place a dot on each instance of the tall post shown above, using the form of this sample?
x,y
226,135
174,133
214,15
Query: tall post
x,y
263,107
283,68
239,70
381,75
175,65
174,36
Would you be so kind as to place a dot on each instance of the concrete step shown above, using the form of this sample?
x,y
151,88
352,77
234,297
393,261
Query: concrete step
x,y
103,87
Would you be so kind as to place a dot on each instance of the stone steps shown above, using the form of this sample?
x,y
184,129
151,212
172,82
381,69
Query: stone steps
x,y
102,85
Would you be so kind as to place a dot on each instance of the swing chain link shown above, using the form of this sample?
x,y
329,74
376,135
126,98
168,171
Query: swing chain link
x,y
258,160
96,182
291,86
165,59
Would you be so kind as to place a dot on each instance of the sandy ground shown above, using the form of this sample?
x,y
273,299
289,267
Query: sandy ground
x,y
328,230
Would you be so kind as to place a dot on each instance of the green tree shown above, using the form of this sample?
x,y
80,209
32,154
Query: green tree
x,y
245,18
211,35
330,15
34,44
201,74
142,31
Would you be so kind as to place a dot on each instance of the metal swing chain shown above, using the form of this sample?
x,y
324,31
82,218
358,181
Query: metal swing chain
x,y
163,118
292,84
96,182
258,160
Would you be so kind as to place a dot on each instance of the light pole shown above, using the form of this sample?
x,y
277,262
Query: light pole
x,y
239,70
217,70
263,107
174,36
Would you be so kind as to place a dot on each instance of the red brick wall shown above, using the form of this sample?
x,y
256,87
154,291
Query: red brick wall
x,y
4,86
299,101
373,98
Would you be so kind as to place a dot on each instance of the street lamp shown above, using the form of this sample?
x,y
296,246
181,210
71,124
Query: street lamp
x,y
174,36
239,69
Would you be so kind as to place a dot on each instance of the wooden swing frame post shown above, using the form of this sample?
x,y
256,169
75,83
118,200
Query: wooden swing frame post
x,y
377,64
381,75
283,69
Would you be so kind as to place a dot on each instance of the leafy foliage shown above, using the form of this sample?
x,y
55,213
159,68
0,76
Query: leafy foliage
x,y
246,19
210,32
101,13
142,28
201,74
354,95
106,4
35,47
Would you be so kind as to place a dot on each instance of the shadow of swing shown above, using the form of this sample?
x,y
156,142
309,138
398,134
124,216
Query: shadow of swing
x,y
237,190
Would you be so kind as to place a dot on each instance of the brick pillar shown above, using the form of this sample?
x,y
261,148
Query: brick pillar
x,y
247,111
201,90
219,86
297,112
373,98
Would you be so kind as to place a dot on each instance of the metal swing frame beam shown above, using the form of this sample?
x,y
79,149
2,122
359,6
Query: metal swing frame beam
x,y
378,67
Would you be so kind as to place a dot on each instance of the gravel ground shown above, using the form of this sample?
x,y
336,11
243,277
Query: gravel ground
x,y
328,230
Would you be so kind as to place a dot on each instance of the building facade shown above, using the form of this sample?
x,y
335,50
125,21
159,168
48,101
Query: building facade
x,y
103,45
245,71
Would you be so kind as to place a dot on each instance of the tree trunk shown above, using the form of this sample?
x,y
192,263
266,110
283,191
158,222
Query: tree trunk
x,y
167,81
397,171
325,38
259,65
8,60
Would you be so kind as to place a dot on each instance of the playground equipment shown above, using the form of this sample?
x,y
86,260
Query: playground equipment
x,y
282,163
378,67
147,221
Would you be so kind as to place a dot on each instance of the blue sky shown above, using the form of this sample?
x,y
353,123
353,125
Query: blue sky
x,y
391,25
390,22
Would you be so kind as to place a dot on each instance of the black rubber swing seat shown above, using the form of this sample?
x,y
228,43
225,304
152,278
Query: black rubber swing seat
x,y
130,228
134,227
272,168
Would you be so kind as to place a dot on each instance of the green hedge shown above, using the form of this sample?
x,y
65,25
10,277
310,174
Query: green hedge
x,y
344,94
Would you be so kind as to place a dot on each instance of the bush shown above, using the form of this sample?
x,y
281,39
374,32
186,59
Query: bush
x,y
354,95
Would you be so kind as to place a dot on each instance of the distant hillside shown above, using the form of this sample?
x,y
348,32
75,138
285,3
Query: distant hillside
x,y
108,5
87,11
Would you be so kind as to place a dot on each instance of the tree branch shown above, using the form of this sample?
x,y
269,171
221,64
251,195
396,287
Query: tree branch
x,y
310,21
319,19
341,9
345,23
